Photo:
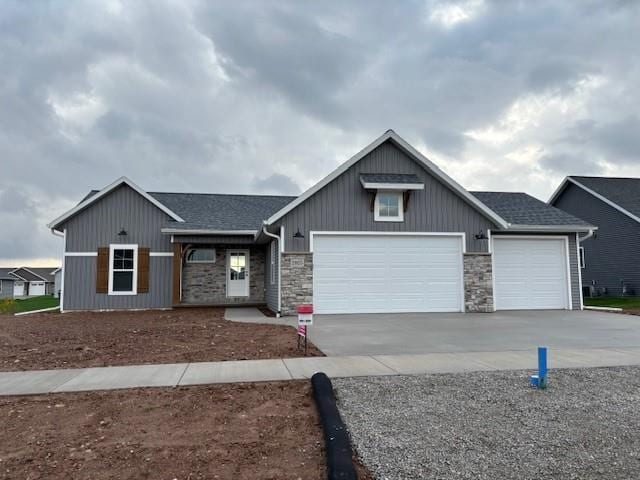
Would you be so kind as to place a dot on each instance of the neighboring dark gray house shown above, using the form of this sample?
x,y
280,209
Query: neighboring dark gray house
x,y
611,257
387,231
26,282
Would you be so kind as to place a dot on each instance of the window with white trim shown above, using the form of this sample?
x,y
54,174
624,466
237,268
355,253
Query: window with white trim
x,y
201,255
388,207
123,269
274,254
581,250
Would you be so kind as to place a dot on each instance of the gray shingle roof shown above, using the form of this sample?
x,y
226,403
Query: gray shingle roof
x,y
211,211
523,209
4,274
44,272
390,178
624,192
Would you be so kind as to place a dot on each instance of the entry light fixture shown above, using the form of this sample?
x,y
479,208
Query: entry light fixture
x,y
123,233
480,235
298,234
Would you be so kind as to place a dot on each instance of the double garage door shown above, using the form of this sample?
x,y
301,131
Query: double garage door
x,y
374,273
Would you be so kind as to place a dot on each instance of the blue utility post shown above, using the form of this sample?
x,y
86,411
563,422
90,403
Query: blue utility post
x,y
540,380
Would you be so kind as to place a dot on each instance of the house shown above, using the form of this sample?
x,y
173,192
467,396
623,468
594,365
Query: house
x,y
609,258
26,282
57,281
387,231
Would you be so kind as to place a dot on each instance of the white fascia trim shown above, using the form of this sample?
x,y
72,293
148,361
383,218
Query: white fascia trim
x,y
545,237
80,254
595,194
105,191
164,254
178,231
134,283
462,235
549,228
18,277
32,273
428,164
392,186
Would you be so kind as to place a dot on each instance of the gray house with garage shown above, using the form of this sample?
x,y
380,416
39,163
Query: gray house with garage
x,y
609,259
21,282
387,231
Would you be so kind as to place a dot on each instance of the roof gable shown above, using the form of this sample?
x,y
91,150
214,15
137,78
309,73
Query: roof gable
x,y
26,274
399,142
91,199
622,194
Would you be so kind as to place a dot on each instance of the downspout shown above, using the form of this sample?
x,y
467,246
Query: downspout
x,y
63,235
277,238
586,237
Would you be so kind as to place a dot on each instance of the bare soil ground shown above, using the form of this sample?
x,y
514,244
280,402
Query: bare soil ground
x,y
96,339
241,431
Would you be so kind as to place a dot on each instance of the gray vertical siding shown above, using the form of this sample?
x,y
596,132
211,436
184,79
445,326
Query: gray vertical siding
x,y
573,263
343,205
124,208
7,289
80,287
611,255
271,290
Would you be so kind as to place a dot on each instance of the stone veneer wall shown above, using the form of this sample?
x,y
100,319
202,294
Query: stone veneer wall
x,y
296,271
206,283
478,282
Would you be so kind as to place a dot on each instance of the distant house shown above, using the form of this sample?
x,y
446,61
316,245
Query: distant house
x,y
17,282
387,231
609,258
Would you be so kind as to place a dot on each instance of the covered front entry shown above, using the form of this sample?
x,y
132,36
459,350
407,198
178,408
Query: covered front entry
x,y
531,273
385,273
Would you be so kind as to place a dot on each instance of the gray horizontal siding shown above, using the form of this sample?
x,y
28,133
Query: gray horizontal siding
x,y
124,208
343,205
573,263
611,255
80,287
6,288
271,289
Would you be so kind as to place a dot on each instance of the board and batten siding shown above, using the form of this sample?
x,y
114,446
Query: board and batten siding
x,y
80,287
611,255
271,289
573,262
98,226
344,205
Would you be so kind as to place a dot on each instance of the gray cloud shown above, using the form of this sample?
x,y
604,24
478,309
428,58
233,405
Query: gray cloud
x,y
221,96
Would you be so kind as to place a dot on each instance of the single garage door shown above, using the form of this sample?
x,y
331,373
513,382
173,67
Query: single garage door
x,y
530,273
36,288
387,273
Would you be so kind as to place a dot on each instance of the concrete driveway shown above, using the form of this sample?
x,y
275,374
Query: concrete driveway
x,y
387,334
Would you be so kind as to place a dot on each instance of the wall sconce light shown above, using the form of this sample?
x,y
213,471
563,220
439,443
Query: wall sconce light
x,y
480,236
123,233
298,234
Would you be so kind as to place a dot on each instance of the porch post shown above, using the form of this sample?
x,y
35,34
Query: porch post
x,y
177,273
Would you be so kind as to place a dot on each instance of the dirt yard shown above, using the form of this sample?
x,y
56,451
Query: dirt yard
x,y
93,339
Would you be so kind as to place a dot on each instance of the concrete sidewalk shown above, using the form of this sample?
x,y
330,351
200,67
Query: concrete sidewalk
x,y
184,374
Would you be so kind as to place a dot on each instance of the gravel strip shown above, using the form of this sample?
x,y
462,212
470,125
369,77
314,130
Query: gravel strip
x,y
492,425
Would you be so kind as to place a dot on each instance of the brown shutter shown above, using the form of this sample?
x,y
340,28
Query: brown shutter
x,y
102,277
177,272
143,270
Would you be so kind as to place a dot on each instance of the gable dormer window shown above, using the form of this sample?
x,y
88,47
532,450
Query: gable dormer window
x,y
388,207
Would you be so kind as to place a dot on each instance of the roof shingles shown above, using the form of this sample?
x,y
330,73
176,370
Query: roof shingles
x,y
624,192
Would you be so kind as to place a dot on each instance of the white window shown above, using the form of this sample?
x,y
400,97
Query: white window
x,y
201,255
274,253
581,250
388,207
123,269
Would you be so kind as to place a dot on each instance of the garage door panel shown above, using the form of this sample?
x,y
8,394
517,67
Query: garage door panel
x,y
386,273
530,273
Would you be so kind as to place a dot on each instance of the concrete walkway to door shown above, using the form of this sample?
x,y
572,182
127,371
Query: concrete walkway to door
x,y
420,333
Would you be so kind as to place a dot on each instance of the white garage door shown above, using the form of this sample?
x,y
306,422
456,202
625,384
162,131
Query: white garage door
x,y
18,289
530,273
387,273
36,288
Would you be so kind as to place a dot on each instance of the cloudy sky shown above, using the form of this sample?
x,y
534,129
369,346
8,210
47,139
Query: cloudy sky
x,y
268,97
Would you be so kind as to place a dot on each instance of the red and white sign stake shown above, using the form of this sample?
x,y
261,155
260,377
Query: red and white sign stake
x,y
305,318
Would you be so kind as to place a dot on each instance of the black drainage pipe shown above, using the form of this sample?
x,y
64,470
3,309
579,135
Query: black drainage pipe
x,y
338,447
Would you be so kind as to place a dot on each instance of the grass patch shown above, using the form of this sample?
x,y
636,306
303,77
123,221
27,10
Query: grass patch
x,y
35,303
626,303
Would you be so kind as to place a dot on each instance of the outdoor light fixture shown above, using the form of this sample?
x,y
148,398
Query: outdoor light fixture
x,y
123,233
480,235
298,234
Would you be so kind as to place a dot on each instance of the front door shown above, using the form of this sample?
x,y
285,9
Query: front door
x,y
238,273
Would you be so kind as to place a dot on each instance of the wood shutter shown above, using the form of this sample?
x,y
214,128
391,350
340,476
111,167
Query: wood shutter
x,y
102,277
143,270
